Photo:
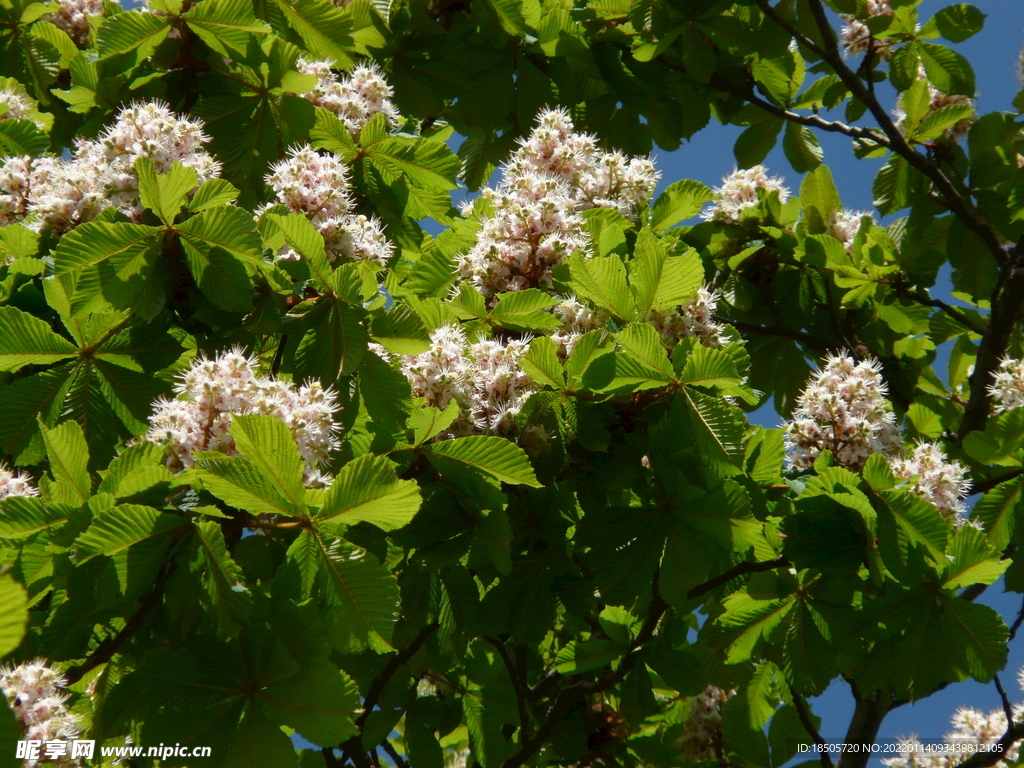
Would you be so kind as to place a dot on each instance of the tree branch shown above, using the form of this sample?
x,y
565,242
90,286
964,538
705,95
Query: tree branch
x,y
867,719
813,121
353,748
393,754
105,651
984,486
950,310
805,721
510,667
956,199
1014,733
734,572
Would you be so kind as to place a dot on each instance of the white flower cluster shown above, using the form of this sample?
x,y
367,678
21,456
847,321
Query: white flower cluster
x,y
702,734
1007,387
739,191
595,178
19,176
534,222
695,320
33,693
484,378
318,186
935,479
843,410
101,173
19,105
354,98
577,319
972,728
15,482
936,100
844,226
856,37
73,17
213,390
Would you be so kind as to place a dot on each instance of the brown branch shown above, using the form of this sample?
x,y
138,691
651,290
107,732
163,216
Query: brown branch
x,y
105,651
1014,733
813,121
734,572
1007,706
1016,624
953,312
353,748
867,719
510,667
984,486
805,720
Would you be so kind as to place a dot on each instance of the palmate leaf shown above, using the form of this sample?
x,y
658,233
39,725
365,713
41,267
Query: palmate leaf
x,y
603,281
134,30
303,238
400,330
714,426
659,280
335,343
26,516
973,560
258,743
368,490
678,202
242,484
164,193
22,137
749,621
41,393
223,581
27,340
493,456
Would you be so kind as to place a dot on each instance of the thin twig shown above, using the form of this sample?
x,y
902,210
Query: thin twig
x,y
950,310
734,572
984,486
510,667
805,720
1007,706
105,650
1016,624
393,754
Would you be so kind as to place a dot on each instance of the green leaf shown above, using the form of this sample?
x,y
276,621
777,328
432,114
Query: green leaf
x,y
211,194
946,69
753,145
218,245
242,484
22,137
509,15
998,510
429,422
26,516
106,264
319,703
818,190
956,23
138,29
714,426
27,340
227,26
709,367
541,363
524,311
942,119
658,280
335,343
223,581
324,28
603,281
680,201
400,330
258,743
13,614
165,193
363,592
493,456
367,489
269,445
69,459
892,186
973,560
577,658
802,148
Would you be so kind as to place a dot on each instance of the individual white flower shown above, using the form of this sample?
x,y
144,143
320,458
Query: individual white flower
x,y
318,186
214,390
1007,387
483,378
73,17
34,693
577,319
695,320
19,175
856,37
935,479
354,98
15,482
702,732
101,173
843,410
739,191
845,224
936,100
